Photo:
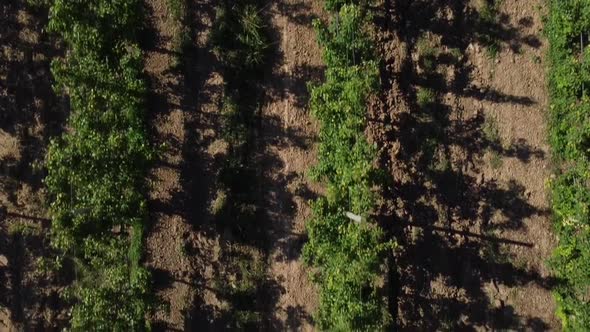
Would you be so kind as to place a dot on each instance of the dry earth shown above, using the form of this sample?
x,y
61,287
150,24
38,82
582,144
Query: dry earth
x,y
468,203
184,245
29,116
288,136
181,246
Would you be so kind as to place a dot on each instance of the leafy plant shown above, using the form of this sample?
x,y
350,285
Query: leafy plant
x,y
490,129
347,256
38,4
346,40
495,159
177,9
240,283
119,301
24,229
96,170
456,54
570,140
425,97
241,45
335,5
489,33
238,36
427,53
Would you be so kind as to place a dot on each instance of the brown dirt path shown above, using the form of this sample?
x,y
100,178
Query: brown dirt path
x,y
30,114
180,247
287,136
185,108
468,203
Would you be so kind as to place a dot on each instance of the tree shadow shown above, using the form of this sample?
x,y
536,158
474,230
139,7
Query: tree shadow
x,y
258,212
415,18
448,219
241,222
26,289
30,115
297,13
30,112
182,93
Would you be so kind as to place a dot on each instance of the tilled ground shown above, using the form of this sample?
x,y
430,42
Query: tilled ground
x,y
189,250
181,245
461,127
30,114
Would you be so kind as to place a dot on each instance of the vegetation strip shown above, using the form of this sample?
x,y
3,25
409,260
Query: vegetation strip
x,y
241,46
348,256
96,170
568,28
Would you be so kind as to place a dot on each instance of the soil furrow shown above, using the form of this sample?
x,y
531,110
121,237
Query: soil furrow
x,y
180,245
287,152
465,92
30,114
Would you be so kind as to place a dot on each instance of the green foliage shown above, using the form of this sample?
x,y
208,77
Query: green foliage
x,y
181,44
569,79
240,283
347,256
181,39
490,129
112,295
38,4
96,170
345,157
489,26
241,45
177,9
456,54
335,5
489,10
427,53
346,41
23,229
495,159
97,27
238,37
425,97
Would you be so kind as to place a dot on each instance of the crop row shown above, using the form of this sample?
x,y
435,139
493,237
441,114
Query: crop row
x,y
347,255
240,45
97,168
568,28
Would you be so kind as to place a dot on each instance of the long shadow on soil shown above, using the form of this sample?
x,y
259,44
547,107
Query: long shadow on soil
x,y
435,194
285,85
464,26
29,109
30,114
196,169
243,222
258,197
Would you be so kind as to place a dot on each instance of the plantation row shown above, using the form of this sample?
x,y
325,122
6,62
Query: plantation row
x,y
240,45
569,82
97,169
347,255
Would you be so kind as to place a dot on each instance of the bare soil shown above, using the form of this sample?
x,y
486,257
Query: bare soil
x,y
288,136
468,202
185,247
29,116
181,244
